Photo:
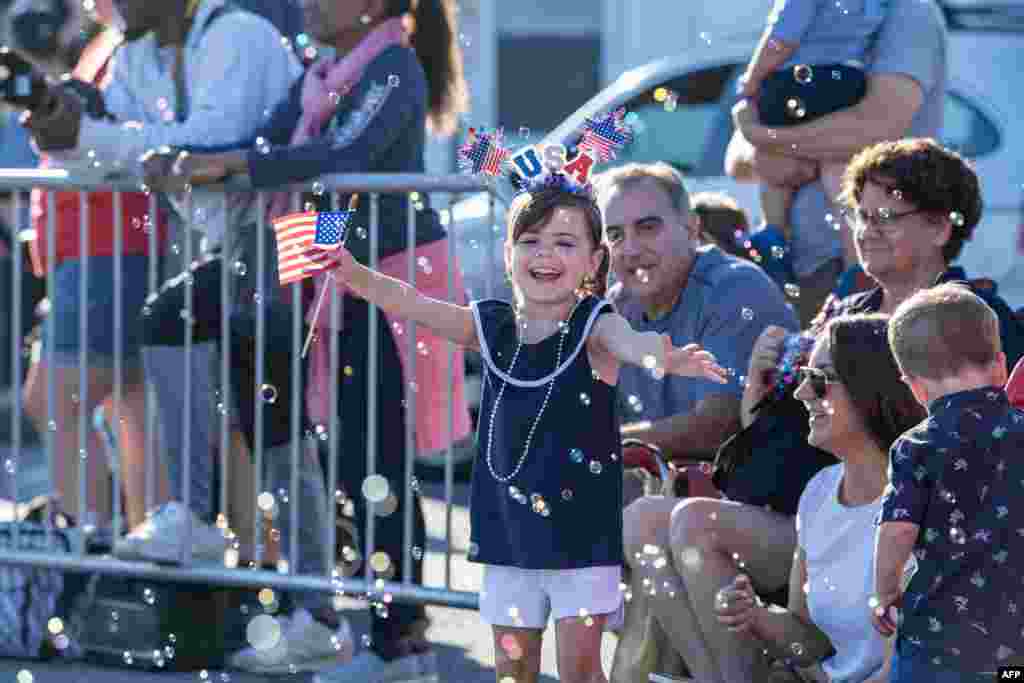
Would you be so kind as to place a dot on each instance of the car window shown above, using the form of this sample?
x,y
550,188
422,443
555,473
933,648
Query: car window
x,y
685,122
966,129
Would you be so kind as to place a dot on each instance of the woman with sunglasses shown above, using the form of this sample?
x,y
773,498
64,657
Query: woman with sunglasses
x,y
858,405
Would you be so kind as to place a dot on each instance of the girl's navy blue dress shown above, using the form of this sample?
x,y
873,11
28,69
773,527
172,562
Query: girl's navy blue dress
x,y
563,508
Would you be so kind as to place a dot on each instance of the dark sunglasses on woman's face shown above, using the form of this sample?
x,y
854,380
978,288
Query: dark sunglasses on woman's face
x,y
818,379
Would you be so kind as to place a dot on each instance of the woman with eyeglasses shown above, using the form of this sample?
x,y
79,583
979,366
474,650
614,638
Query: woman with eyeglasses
x,y
911,205
857,405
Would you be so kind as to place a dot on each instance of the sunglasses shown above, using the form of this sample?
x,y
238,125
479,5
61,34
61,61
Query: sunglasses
x,y
818,379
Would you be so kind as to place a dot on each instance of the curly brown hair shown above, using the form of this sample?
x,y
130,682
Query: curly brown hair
x,y
935,179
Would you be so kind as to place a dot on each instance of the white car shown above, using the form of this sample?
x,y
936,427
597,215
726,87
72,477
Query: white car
x,y
986,54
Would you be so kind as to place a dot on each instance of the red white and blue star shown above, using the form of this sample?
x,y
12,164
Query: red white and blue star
x,y
604,135
483,152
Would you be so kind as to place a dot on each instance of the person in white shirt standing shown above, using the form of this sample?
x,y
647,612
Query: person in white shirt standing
x,y
191,72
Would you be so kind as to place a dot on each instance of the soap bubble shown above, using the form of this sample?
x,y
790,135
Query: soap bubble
x,y
375,488
263,632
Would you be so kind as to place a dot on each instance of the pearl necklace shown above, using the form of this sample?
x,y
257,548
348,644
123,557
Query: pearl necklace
x,y
563,333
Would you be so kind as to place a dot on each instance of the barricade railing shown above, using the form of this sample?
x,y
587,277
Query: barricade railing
x,y
373,582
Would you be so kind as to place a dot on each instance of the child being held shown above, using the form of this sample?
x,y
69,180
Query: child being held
x,y
809,63
953,499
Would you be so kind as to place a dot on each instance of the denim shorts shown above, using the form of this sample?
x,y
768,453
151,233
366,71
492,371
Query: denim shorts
x,y
67,304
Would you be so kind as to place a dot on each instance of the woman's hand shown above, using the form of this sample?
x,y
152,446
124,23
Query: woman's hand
x,y
737,606
170,170
693,361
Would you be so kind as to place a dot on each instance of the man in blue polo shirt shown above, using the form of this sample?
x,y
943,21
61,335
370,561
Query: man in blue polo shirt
x,y
670,284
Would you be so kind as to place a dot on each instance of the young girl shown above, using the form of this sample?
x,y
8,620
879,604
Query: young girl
x,y
546,501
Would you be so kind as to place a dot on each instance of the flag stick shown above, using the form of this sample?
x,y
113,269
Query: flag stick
x,y
353,204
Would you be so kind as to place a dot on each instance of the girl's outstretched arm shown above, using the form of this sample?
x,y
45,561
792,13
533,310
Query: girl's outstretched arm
x,y
403,300
655,351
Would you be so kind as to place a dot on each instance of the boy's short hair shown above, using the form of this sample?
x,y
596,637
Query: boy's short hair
x,y
668,179
720,217
940,331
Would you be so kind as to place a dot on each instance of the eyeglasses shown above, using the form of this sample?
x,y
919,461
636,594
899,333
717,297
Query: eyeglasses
x,y
818,379
858,219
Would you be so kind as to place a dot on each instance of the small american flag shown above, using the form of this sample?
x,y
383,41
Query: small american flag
x,y
603,135
305,241
483,153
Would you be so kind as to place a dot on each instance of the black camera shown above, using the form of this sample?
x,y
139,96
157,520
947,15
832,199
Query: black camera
x,y
21,84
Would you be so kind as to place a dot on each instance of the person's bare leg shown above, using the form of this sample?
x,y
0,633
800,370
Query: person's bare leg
x,y
578,642
646,525
65,415
132,443
517,654
242,503
776,201
713,541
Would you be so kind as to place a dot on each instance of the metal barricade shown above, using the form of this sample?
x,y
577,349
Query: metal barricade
x,y
403,590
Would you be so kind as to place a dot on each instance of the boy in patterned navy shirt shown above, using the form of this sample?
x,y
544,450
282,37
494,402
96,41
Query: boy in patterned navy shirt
x,y
954,498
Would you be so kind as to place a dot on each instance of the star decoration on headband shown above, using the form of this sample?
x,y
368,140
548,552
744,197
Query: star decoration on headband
x,y
604,135
483,152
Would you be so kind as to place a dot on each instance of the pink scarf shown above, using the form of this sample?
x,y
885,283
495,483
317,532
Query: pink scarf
x,y
328,79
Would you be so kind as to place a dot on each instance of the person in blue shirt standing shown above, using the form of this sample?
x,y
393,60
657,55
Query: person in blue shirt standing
x,y
955,481
546,498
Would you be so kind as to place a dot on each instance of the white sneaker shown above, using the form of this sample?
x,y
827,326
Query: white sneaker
x,y
161,538
305,645
665,678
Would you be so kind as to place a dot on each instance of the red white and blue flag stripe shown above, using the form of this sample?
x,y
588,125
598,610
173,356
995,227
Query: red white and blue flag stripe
x,y
604,135
483,152
305,242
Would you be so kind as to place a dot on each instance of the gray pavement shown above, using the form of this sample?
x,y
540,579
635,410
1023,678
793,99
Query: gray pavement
x,y
463,642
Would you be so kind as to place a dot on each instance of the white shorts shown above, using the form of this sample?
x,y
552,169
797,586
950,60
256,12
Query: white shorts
x,y
525,598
